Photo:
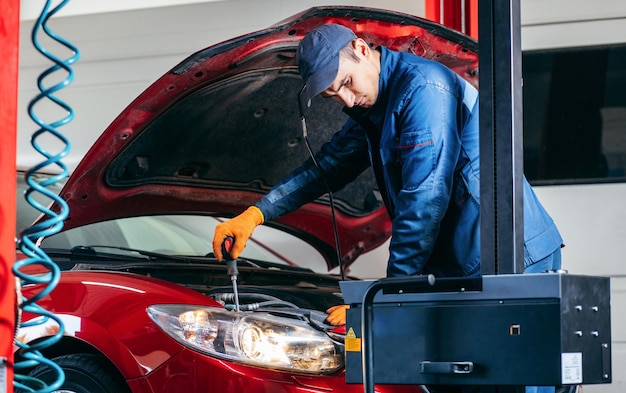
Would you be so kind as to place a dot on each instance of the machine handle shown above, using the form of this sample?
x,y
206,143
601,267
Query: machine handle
x,y
427,367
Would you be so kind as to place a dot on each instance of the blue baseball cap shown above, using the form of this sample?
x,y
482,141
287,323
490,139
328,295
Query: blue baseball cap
x,y
318,57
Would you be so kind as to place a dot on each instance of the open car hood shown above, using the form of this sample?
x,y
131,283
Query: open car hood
x,y
219,129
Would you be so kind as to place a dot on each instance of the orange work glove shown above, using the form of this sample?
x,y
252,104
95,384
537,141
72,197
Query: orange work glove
x,y
337,315
240,228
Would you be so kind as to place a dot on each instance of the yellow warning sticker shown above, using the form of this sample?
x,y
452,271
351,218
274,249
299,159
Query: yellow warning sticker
x,y
353,343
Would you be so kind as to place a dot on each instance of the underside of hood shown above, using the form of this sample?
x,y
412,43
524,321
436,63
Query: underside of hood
x,y
218,130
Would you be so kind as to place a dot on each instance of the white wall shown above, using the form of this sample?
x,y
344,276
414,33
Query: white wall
x,y
569,23
32,9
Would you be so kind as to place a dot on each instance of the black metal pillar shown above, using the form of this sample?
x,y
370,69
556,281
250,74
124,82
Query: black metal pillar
x,y
501,142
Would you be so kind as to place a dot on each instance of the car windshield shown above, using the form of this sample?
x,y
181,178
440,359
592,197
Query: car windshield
x,y
186,235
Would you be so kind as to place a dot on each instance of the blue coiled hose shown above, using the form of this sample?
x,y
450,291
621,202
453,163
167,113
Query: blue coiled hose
x,y
53,222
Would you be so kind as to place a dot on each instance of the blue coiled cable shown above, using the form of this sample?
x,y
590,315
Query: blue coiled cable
x,y
53,221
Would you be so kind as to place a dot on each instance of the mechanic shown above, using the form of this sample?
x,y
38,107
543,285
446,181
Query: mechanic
x,y
416,122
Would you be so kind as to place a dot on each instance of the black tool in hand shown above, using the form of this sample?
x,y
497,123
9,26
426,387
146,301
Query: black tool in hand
x,y
231,265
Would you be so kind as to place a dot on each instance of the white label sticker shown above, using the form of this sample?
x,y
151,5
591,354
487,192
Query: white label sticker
x,y
571,368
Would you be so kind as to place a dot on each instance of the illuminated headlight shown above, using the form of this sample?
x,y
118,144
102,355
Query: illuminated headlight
x,y
257,339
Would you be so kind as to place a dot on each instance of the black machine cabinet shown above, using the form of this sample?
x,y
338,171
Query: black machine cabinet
x,y
506,329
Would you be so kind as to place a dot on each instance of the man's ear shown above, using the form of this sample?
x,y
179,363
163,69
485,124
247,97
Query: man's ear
x,y
361,48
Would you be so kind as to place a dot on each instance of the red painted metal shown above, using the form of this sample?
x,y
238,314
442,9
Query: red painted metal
x,y
460,15
9,36
473,19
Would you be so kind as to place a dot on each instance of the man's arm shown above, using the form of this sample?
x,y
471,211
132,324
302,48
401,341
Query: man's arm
x,y
427,149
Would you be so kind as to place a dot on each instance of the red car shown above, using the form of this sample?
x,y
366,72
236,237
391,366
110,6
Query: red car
x,y
145,305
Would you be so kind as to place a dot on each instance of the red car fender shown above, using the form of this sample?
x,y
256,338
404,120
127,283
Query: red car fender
x,y
107,310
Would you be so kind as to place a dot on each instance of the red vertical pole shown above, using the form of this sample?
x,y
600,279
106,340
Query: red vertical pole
x,y
460,15
472,19
433,10
9,38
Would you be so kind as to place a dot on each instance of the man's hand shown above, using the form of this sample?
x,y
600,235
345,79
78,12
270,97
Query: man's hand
x,y
240,228
337,315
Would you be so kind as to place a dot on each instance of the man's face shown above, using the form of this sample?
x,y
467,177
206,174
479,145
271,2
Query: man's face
x,y
356,83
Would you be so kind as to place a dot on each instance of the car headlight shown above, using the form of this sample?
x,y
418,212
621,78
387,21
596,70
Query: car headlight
x,y
257,339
